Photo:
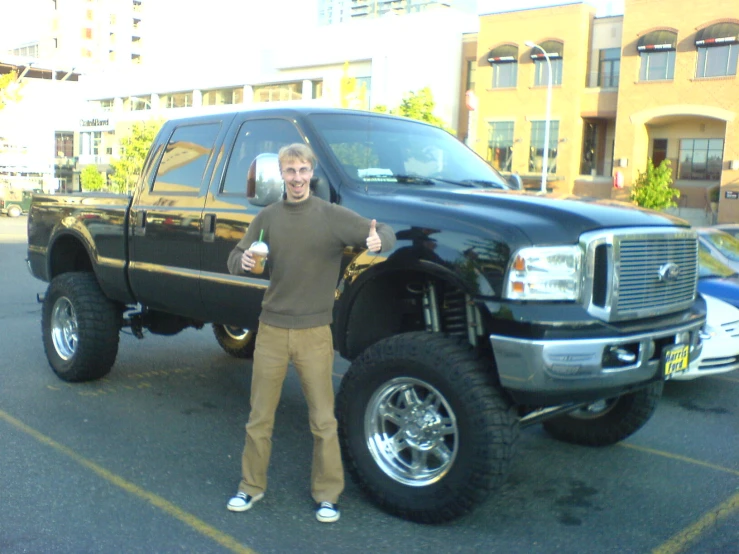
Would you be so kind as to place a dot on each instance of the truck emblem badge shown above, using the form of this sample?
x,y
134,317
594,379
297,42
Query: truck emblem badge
x,y
669,272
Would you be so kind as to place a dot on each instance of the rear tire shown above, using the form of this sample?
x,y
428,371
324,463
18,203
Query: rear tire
x,y
423,430
236,341
608,421
80,327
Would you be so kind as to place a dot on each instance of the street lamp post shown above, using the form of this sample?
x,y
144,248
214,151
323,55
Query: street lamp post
x,y
545,162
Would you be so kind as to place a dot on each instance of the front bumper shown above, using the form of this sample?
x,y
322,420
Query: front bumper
x,y
546,372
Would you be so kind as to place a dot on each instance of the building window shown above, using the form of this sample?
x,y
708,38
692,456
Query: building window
x,y
90,143
87,33
64,144
609,67
657,66
536,149
541,72
361,82
222,97
136,104
107,105
554,50
177,100
471,69
718,48
500,145
279,93
504,61
717,61
700,159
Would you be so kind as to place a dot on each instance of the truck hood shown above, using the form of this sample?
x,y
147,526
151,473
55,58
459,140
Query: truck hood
x,y
543,219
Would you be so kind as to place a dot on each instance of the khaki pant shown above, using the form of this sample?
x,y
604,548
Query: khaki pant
x,y
312,353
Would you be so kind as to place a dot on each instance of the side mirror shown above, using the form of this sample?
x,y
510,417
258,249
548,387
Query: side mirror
x,y
264,184
515,181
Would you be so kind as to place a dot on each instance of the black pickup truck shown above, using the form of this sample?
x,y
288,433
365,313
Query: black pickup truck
x,y
497,308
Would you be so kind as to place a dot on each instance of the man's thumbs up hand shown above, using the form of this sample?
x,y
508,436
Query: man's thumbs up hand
x,y
374,244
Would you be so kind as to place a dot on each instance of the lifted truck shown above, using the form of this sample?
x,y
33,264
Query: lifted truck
x,y
496,309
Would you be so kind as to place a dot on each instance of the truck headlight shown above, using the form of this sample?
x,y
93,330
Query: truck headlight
x,y
545,273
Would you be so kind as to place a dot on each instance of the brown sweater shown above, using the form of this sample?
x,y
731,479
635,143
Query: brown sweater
x,y
306,241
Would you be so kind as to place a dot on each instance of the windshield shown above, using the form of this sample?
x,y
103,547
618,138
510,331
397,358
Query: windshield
x,y
724,243
708,266
384,150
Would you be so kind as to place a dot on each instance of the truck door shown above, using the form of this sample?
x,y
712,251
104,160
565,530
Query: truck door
x,y
165,222
229,299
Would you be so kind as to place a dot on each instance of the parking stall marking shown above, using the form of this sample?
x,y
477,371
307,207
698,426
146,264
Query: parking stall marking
x,y
167,507
710,519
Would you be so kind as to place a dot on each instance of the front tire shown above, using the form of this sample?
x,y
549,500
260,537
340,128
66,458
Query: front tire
x,y
80,327
608,421
236,341
14,211
423,430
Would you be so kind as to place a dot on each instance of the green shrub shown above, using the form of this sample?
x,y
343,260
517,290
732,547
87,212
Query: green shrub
x,y
652,188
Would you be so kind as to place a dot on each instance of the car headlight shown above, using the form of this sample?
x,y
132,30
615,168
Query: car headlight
x,y
545,273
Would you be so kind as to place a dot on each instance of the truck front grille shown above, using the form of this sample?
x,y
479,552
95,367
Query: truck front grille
x,y
640,273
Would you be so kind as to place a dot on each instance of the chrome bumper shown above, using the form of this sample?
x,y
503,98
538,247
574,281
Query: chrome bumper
x,y
557,366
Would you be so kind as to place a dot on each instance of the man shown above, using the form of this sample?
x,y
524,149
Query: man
x,y
306,237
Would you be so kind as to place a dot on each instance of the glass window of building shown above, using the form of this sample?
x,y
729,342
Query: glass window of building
x,y
500,145
471,70
64,144
279,93
220,97
176,100
700,159
718,50
609,67
138,103
536,148
657,52
107,105
553,49
504,61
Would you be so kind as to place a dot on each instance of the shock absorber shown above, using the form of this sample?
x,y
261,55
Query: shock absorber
x,y
454,313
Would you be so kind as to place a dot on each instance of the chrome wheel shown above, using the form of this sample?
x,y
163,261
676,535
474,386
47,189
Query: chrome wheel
x,y
411,431
64,333
237,333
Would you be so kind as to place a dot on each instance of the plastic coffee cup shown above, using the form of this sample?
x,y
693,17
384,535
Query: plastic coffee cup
x,y
259,251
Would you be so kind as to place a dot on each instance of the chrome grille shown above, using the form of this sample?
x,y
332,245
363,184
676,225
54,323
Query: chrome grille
x,y
640,273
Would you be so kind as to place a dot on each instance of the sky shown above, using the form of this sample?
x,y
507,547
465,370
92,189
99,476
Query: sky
x,y
273,17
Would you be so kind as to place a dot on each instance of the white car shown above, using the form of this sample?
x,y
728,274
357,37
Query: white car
x,y
720,341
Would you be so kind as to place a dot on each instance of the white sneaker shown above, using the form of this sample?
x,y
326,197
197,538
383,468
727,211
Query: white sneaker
x,y
242,501
327,512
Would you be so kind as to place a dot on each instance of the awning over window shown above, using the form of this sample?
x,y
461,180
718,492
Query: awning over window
x,y
717,34
657,40
552,47
503,53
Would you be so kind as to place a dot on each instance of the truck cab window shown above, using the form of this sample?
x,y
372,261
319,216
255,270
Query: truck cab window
x,y
186,158
255,137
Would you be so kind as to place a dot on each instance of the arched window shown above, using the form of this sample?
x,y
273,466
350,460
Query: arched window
x,y
718,48
657,53
554,49
504,60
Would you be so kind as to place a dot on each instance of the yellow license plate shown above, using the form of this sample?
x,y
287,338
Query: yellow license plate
x,y
675,359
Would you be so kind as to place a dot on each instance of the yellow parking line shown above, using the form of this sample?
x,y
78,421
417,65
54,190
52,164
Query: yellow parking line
x,y
688,535
190,520
693,532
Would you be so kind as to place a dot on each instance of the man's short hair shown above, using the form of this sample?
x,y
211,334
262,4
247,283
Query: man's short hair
x,y
296,151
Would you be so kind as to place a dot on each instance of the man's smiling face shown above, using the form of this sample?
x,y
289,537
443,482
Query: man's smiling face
x,y
297,175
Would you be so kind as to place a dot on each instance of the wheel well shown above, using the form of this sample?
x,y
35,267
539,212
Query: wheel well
x,y
401,302
68,254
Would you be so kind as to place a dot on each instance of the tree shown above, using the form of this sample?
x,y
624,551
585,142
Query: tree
x,y
91,179
9,88
133,150
417,105
653,187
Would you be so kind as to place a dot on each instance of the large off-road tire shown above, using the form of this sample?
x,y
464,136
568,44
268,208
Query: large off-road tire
x,y
424,431
14,211
236,341
80,328
608,421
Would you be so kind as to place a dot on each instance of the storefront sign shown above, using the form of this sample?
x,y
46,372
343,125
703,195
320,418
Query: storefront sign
x,y
732,194
94,122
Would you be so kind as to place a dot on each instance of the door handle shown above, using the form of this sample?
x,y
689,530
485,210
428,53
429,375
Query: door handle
x,y
140,227
209,227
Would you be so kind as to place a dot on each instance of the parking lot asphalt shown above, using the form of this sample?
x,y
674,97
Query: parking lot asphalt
x,y
145,459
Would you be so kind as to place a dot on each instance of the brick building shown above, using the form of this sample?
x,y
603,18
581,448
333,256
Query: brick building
x,y
657,82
